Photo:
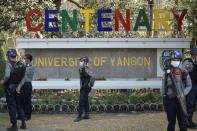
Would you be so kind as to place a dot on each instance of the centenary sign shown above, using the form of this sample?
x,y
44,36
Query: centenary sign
x,y
107,63
161,17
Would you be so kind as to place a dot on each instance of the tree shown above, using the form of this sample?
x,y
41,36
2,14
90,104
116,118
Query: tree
x,y
12,17
13,13
190,21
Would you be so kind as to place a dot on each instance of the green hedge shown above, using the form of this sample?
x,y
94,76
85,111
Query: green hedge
x,y
126,98
2,66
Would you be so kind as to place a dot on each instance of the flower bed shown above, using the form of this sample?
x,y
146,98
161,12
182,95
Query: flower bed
x,y
122,101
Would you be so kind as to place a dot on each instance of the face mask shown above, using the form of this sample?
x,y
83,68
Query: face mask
x,y
195,62
195,59
175,63
81,63
23,60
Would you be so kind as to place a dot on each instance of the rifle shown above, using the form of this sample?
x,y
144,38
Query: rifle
x,y
165,92
180,95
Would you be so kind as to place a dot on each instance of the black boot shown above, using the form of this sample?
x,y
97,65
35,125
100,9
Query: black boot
x,y
86,116
23,125
79,118
192,125
12,128
28,117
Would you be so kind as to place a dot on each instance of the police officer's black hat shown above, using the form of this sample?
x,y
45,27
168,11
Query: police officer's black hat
x,y
193,51
11,52
84,58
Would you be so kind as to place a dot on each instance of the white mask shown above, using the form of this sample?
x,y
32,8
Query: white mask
x,y
175,63
23,60
195,59
81,63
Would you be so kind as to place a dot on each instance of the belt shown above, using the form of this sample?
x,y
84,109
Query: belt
x,y
27,82
15,83
171,97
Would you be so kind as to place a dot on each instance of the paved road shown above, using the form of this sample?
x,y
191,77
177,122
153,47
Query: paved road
x,y
155,121
30,129
2,128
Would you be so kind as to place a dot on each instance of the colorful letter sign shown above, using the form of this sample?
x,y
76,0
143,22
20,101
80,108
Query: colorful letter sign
x,y
103,16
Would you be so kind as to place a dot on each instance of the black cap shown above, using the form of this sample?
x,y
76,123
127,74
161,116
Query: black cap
x,y
11,52
193,51
84,58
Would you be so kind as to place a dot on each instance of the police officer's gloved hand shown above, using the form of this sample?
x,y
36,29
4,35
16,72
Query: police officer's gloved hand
x,y
81,64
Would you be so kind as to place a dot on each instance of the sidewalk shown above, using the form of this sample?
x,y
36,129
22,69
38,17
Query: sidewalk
x,y
155,121
30,129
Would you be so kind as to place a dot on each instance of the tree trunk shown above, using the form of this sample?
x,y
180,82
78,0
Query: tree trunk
x,y
151,5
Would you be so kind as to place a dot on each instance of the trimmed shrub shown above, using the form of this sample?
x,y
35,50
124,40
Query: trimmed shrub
x,y
50,108
65,108
146,107
138,107
43,108
153,107
151,97
124,108
94,108
57,108
5,108
72,108
102,108
116,108
36,108
160,107
109,108
131,107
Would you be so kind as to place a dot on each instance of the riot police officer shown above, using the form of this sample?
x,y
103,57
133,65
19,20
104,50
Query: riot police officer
x,y
25,86
85,74
192,96
11,83
24,91
176,84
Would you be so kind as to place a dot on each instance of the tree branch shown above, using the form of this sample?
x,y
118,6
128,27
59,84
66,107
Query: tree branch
x,y
14,20
11,21
77,4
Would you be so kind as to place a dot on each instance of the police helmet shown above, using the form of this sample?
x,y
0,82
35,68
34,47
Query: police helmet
x,y
11,53
193,51
176,55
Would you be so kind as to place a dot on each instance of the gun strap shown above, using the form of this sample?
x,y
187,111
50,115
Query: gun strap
x,y
166,89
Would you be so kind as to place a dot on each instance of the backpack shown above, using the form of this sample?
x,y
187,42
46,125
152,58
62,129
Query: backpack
x,y
165,59
17,72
